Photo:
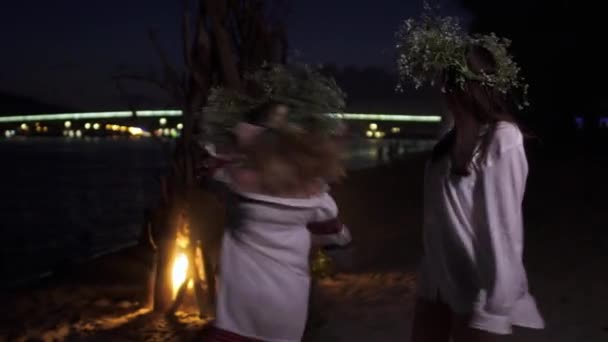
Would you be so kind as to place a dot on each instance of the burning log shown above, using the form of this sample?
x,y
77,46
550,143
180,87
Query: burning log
x,y
187,253
194,265
164,229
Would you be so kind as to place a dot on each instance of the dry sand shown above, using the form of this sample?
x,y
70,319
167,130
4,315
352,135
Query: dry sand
x,y
371,299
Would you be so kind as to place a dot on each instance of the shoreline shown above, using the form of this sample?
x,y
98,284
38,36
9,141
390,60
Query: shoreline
x,y
565,253
46,274
77,261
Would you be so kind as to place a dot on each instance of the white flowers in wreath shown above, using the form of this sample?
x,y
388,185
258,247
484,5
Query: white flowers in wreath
x,y
432,45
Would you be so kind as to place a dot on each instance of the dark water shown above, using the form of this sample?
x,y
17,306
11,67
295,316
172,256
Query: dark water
x,y
67,200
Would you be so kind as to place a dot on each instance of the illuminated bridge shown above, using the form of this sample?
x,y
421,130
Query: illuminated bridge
x,y
167,123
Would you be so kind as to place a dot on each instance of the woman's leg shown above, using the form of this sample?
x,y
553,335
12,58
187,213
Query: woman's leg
x,y
432,322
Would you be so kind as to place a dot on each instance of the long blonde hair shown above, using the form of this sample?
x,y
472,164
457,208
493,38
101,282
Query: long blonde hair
x,y
290,161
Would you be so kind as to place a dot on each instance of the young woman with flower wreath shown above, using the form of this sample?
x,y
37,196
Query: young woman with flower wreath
x,y
472,282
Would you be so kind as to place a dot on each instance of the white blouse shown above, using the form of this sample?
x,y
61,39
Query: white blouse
x,y
264,278
473,237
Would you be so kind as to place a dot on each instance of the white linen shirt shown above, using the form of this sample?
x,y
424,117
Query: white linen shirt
x,y
264,278
473,236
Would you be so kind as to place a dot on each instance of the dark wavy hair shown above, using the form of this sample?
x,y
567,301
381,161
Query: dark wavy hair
x,y
487,105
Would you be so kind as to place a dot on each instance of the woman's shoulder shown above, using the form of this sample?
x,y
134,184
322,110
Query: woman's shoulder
x,y
506,136
311,202
245,182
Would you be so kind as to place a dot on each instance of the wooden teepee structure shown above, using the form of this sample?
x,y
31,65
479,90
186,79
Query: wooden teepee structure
x,y
222,40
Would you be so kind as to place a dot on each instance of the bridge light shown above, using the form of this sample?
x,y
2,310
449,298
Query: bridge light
x,y
136,131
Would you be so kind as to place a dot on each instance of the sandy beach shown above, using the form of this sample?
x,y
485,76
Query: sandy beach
x,y
371,297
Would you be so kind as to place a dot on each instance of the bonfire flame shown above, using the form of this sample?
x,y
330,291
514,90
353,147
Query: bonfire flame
x,y
180,270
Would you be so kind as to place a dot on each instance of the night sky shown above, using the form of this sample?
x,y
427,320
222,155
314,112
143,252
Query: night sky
x,y
65,52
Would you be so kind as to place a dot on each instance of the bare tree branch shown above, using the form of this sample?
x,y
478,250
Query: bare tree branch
x,y
217,11
169,72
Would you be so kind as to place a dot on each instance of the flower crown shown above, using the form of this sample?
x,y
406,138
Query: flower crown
x,y
308,94
433,46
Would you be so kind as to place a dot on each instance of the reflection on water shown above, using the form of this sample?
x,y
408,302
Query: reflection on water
x,y
64,200
369,153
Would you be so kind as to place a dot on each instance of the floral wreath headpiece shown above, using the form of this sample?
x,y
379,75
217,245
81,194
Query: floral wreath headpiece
x,y
430,47
309,95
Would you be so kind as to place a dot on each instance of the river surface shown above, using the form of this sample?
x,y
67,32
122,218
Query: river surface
x,y
64,200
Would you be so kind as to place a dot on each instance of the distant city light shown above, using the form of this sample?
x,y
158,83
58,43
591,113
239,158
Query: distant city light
x,y
136,131
71,133
387,117
68,120
177,113
156,113
78,133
